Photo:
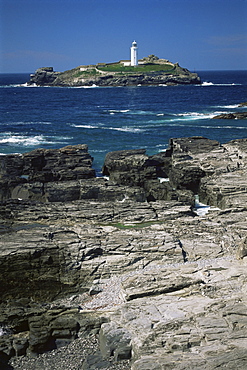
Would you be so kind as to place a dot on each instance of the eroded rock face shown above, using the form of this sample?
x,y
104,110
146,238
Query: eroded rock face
x,y
25,176
154,281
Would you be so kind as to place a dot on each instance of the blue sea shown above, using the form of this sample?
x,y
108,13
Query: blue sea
x,y
115,118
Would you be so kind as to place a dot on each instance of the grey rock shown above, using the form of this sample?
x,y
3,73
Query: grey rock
x,y
115,341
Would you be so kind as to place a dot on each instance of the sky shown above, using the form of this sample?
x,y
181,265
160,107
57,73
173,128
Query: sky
x,y
198,34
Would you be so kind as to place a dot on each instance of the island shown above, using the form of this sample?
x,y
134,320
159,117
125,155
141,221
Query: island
x,y
149,71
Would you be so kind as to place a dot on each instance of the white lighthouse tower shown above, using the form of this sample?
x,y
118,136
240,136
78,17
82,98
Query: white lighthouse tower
x,y
133,54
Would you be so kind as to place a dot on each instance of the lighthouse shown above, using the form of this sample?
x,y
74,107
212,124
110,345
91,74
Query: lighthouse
x,y
133,54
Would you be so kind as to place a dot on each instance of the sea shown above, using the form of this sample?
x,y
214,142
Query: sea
x,y
117,118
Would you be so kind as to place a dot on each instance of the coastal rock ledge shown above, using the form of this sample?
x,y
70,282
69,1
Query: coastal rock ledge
x,y
144,268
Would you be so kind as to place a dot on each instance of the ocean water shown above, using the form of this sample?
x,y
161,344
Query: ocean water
x,y
116,118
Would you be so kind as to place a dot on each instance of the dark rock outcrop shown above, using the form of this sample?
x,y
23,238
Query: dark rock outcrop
x,y
244,104
237,115
26,176
44,76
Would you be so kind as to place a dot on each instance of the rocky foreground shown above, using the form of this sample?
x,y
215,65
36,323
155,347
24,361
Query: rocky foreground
x,y
130,271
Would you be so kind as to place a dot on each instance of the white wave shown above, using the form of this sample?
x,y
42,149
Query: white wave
x,y
160,145
119,111
84,126
28,85
207,126
18,85
228,127
186,116
97,151
181,116
134,112
232,106
88,87
22,140
19,123
77,87
125,129
205,83
142,112
7,86
196,115
160,114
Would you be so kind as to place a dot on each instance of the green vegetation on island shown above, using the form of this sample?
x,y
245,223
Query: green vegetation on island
x,y
142,68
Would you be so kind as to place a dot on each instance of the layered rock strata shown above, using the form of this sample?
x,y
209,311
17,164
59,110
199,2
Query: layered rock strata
x,y
127,259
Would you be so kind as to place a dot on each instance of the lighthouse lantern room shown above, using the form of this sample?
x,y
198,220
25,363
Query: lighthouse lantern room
x,y
133,54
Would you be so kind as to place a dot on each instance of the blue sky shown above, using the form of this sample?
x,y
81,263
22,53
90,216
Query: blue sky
x,y
199,34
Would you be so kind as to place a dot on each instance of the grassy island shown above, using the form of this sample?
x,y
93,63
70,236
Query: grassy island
x,y
149,71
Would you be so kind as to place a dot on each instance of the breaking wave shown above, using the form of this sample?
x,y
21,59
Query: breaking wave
x,y
206,83
24,140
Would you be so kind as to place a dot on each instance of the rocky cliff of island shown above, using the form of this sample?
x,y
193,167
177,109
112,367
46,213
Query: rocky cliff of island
x,y
130,270
150,72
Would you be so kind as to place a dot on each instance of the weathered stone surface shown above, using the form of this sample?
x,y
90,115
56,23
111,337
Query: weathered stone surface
x,y
193,323
171,286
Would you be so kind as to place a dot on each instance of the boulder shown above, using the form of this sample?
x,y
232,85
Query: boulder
x,y
129,167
